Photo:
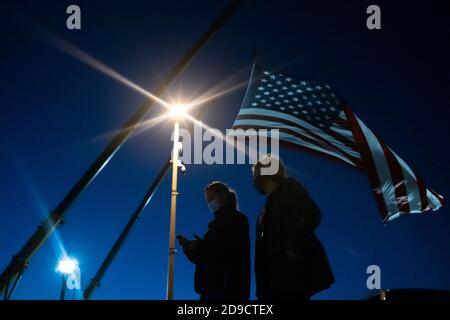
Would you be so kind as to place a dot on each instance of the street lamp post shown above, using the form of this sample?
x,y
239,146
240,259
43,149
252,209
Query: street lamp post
x,y
177,112
63,286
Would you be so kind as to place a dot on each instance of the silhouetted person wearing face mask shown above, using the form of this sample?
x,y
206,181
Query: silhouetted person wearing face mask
x,y
290,261
222,256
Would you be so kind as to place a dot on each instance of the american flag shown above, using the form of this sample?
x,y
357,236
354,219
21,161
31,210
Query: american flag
x,y
311,117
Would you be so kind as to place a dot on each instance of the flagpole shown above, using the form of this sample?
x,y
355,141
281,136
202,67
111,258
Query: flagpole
x,y
20,261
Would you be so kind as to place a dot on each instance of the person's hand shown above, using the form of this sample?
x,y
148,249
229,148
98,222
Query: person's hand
x,y
190,245
182,239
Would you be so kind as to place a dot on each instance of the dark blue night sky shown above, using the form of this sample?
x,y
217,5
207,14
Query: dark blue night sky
x,y
57,114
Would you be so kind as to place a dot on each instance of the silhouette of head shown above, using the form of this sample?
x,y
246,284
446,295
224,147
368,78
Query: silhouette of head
x,y
266,181
218,195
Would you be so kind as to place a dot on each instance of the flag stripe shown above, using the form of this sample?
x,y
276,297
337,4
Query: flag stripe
x,y
367,158
438,196
423,194
382,168
398,179
298,147
344,136
290,120
277,123
418,196
297,138
302,135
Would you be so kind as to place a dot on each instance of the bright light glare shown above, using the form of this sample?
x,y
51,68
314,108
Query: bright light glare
x,y
67,266
178,110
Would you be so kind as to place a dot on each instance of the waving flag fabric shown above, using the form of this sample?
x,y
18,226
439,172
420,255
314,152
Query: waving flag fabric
x,y
311,117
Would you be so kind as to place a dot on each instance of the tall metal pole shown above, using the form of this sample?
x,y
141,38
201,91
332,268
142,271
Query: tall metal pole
x,y
173,210
13,288
55,218
95,282
63,287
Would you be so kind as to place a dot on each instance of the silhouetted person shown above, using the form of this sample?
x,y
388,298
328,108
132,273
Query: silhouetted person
x,y
222,256
290,261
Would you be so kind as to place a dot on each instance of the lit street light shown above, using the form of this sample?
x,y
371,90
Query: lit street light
x,y
178,111
66,267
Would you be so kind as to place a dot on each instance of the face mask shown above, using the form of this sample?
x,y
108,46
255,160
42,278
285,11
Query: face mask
x,y
213,205
258,184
